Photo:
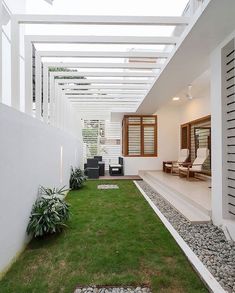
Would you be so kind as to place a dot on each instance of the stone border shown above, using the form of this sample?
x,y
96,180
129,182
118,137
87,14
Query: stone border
x,y
200,268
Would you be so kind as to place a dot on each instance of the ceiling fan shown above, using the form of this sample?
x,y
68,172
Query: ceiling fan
x,y
49,1
189,95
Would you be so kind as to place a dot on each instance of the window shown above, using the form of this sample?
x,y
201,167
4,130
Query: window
x,y
197,134
139,135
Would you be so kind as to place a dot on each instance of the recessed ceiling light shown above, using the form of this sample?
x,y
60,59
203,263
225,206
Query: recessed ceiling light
x,y
175,99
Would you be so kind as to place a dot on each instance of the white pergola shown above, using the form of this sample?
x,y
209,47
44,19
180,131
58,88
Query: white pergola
x,y
105,88
89,85
132,67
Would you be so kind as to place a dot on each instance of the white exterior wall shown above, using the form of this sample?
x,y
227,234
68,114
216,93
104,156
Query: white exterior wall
x,y
217,140
196,108
168,142
30,155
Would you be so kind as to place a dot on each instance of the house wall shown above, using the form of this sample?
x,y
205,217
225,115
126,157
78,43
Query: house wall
x,y
218,154
196,108
31,154
168,141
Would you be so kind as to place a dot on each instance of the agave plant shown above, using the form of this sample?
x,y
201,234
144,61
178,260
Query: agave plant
x,y
50,192
77,178
49,213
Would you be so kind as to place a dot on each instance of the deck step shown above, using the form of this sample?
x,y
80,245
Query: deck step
x,y
191,212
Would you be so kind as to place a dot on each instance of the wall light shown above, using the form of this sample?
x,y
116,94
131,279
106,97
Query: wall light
x,y
176,99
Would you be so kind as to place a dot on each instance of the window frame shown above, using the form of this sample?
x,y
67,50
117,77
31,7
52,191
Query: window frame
x,y
125,135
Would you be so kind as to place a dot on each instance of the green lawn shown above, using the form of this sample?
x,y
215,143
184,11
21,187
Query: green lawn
x,y
114,238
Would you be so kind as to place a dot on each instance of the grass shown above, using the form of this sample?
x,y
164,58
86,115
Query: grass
x,y
114,238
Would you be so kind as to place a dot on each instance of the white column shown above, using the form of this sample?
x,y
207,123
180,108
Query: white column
x,y
63,111
56,105
45,94
61,118
52,105
51,97
15,64
28,77
0,51
67,114
69,118
217,138
38,85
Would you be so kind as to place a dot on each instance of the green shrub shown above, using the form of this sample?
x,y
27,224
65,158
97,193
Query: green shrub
x,y
48,192
49,213
77,178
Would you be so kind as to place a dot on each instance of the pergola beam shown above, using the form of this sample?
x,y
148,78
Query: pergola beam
x,y
100,107
131,65
52,39
112,97
104,103
101,19
102,91
103,74
105,87
104,54
106,81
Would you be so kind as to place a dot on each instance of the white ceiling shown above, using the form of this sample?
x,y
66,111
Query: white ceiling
x,y
192,57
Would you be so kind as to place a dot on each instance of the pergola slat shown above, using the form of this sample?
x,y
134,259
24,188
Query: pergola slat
x,y
104,54
66,39
104,74
91,81
131,65
101,19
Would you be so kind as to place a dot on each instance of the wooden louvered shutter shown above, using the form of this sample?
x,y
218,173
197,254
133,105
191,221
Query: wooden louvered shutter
x,y
134,136
140,135
149,135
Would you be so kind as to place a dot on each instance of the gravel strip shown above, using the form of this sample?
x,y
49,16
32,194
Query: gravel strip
x,y
206,240
94,289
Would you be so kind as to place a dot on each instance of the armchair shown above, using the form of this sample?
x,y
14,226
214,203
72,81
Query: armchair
x,y
196,166
117,169
174,165
92,169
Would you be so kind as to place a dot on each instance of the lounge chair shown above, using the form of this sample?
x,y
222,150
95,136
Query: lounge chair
x,y
92,169
196,166
117,169
99,158
174,165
